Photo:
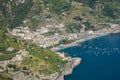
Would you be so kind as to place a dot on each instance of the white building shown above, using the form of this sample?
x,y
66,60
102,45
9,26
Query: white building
x,y
17,58
114,25
28,36
90,32
44,30
10,49
21,1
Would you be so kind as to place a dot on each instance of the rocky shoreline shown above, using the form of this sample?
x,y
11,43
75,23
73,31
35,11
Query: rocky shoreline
x,y
56,76
69,68
65,71
21,75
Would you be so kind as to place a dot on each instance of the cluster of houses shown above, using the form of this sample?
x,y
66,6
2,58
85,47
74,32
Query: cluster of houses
x,y
44,41
39,39
22,32
47,41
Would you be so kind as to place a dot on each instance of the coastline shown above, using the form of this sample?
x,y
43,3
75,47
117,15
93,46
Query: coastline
x,y
76,61
98,55
68,69
99,33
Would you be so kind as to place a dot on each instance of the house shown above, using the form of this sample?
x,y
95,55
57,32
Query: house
x,y
90,32
37,39
17,58
10,49
74,3
28,36
21,1
44,30
114,25
23,52
56,41
61,25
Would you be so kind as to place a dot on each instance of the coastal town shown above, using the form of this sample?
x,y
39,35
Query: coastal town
x,y
44,41
39,39
24,57
59,40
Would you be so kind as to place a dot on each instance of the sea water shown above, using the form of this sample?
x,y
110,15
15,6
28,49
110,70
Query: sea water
x,y
100,59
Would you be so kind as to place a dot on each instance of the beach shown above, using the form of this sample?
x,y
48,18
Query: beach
x,y
99,33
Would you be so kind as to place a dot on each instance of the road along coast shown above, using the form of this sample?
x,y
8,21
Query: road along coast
x,y
99,33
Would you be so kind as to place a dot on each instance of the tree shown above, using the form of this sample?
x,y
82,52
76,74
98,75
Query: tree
x,y
58,6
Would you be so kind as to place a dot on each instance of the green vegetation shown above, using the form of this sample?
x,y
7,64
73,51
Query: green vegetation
x,y
39,59
66,41
6,56
5,77
108,8
43,60
57,6
12,14
111,10
49,33
73,28
42,12
7,41
34,21
20,12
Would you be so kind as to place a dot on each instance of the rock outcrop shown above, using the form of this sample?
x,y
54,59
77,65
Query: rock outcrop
x,y
56,76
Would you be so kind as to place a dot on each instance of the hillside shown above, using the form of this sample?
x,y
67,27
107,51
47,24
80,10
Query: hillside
x,y
47,23
17,55
38,13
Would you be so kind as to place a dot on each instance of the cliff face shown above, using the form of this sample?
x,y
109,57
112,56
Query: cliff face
x,y
21,75
68,68
56,76
22,61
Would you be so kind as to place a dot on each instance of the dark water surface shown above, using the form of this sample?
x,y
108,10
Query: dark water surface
x,y
100,59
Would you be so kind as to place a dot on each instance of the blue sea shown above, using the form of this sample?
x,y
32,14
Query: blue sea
x,y
100,59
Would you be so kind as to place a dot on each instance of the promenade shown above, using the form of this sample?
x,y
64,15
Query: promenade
x,y
96,34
